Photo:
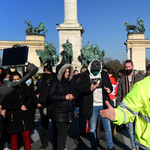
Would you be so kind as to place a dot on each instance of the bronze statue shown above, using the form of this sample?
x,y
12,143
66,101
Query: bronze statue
x,y
40,28
88,53
67,52
49,55
30,27
130,27
35,30
140,24
139,27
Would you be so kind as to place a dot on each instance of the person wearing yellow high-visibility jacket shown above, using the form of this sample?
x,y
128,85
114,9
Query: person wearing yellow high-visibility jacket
x,y
135,104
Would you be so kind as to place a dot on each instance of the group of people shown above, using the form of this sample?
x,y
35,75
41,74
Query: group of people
x,y
97,93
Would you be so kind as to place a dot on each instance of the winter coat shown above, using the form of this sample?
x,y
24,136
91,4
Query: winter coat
x,y
42,88
62,109
136,104
17,120
114,83
83,88
122,90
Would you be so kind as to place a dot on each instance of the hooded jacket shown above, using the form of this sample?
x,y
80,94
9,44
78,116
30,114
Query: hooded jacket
x,y
62,109
83,88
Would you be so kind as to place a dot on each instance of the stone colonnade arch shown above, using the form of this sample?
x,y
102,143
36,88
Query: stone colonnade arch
x,y
136,45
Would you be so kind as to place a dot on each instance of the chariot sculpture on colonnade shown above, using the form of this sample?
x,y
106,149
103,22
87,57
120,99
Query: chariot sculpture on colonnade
x,y
36,30
138,28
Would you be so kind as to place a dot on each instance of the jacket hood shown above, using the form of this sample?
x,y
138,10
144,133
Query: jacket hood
x,y
61,68
89,66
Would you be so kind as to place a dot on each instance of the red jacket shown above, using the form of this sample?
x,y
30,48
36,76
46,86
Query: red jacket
x,y
114,83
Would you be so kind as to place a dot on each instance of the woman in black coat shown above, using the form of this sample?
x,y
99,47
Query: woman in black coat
x,y
18,115
62,96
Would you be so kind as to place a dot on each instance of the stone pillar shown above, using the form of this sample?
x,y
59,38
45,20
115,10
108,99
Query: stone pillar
x,y
70,11
128,53
70,29
138,58
137,44
35,41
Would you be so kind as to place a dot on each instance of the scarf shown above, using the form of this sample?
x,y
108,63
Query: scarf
x,y
127,82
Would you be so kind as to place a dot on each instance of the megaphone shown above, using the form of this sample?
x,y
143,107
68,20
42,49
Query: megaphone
x,y
8,86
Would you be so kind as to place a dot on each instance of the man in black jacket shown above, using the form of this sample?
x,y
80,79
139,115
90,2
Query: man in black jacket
x,y
95,86
42,101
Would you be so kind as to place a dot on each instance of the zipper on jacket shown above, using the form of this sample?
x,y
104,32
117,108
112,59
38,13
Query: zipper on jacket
x,y
22,112
12,116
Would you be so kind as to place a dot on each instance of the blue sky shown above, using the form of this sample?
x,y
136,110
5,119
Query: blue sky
x,y
103,21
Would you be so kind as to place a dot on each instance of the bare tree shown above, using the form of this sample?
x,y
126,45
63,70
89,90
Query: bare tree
x,y
116,65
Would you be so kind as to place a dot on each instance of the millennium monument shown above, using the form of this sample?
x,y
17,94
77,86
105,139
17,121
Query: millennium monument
x,y
136,44
70,29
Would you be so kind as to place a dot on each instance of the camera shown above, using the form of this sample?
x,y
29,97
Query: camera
x,y
15,57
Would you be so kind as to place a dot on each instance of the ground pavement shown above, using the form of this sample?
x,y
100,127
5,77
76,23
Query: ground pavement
x,y
78,142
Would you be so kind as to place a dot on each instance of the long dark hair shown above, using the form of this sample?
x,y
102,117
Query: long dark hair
x,y
111,71
2,74
14,74
6,72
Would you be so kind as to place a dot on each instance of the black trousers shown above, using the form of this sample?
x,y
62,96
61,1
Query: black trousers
x,y
44,125
60,130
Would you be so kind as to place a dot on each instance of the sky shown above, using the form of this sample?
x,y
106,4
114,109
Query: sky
x,y
103,21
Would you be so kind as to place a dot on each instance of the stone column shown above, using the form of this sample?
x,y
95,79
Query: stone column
x,y
128,53
70,29
70,11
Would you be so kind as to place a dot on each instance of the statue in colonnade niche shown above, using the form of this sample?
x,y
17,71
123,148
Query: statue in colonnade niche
x,y
49,55
67,52
88,53
138,28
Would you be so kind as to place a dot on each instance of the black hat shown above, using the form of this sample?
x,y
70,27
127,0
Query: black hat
x,y
96,65
48,67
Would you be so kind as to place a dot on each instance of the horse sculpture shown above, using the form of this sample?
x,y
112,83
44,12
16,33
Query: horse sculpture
x,y
67,53
40,28
139,27
130,27
49,55
44,58
88,53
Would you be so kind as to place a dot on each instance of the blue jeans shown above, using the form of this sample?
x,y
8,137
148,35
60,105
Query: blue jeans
x,y
76,110
106,125
131,128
